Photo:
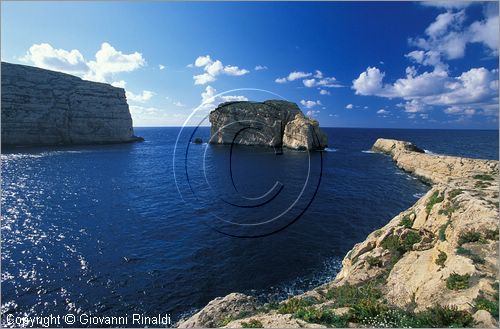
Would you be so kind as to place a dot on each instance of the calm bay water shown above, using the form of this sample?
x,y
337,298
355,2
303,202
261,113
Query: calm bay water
x,y
102,230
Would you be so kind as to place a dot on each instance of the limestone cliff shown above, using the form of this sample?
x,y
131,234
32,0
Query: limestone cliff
x,y
272,123
433,265
42,107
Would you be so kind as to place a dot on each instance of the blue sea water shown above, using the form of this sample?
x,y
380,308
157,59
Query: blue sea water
x,y
103,230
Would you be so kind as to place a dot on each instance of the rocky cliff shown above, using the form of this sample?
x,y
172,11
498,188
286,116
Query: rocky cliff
x,y
42,107
433,265
271,123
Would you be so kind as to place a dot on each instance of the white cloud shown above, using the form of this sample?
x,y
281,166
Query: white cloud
x,y
140,98
444,22
119,84
324,92
312,113
369,82
260,67
318,74
297,75
310,104
280,80
382,111
486,32
349,106
154,117
447,4
179,104
45,56
213,69
161,67
109,61
210,99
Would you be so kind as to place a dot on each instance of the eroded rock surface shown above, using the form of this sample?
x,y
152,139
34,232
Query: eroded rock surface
x,y
271,123
441,252
42,107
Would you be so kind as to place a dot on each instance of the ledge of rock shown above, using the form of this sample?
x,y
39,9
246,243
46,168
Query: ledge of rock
x,y
42,107
441,252
271,123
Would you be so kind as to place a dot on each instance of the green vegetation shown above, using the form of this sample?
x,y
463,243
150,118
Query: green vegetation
x,y
348,295
325,317
224,322
442,257
435,198
457,282
468,253
482,184
294,304
469,236
482,303
491,234
410,239
406,221
442,230
374,261
454,193
449,209
252,324
484,177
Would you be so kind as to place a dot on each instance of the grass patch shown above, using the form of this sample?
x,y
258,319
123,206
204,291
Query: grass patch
x,y
442,257
469,236
406,221
325,317
252,324
442,230
224,322
482,303
457,282
468,253
374,261
294,304
348,295
435,198
450,209
484,177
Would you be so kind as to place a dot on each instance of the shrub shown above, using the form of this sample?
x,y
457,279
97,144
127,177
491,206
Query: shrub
x,y
406,222
455,192
348,295
325,317
482,184
468,253
469,236
293,305
392,244
482,303
491,234
457,282
450,209
484,177
374,261
435,198
442,230
443,317
224,322
441,258
410,239
252,324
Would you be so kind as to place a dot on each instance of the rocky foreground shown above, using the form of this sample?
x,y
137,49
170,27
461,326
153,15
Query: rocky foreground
x,y
42,107
433,265
272,123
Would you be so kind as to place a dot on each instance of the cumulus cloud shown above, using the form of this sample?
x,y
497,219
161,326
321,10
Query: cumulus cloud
x,y
382,111
324,92
349,106
140,98
214,68
310,104
210,99
447,4
45,56
312,113
119,84
280,80
161,67
260,67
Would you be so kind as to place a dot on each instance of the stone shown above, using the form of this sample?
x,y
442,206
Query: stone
x,y
198,140
271,123
485,320
220,309
42,107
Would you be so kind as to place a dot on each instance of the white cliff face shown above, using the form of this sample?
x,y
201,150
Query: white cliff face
x,y
271,123
42,107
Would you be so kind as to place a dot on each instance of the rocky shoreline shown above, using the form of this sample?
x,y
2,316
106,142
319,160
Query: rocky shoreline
x,y
433,265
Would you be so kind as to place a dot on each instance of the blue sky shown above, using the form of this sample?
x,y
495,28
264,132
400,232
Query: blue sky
x,y
380,64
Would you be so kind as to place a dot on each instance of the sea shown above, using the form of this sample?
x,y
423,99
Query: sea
x,y
165,226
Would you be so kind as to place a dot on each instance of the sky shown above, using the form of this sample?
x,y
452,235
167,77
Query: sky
x,y
346,64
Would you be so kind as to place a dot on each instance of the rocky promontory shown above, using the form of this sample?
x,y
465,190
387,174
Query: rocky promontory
x,y
272,123
42,107
433,265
